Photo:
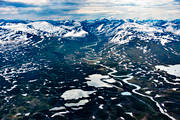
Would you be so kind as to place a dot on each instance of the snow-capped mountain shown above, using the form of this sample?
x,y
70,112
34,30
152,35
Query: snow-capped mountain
x,y
118,31
18,31
45,28
123,31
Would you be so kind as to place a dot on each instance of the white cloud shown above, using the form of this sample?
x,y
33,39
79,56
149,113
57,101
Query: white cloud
x,y
92,9
30,9
145,9
33,2
136,2
8,10
98,9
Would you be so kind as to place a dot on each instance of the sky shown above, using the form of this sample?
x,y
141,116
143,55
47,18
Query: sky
x,y
89,9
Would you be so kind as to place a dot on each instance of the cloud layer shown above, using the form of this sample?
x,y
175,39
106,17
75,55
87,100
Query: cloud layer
x,y
89,9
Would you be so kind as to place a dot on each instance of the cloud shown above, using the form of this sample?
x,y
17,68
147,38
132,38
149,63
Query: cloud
x,y
8,10
147,9
90,9
33,2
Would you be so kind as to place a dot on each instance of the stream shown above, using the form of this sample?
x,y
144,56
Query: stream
x,y
126,80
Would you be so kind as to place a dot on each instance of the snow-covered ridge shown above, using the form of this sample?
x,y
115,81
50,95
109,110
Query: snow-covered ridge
x,y
74,33
145,31
117,31
46,29
16,34
122,33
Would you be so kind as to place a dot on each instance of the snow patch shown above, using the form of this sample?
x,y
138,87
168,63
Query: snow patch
x,y
74,33
110,80
60,113
75,94
96,80
57,108
101,106
100,27
170,69
80,103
